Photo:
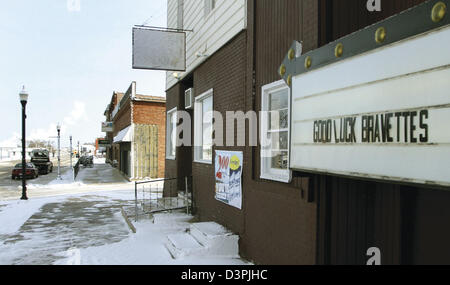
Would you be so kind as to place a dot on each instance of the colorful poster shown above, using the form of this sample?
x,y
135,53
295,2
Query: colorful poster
x,y
228,172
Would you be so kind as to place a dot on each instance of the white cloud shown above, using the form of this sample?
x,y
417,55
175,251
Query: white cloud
x,y
74,5
43,134
13,141
77,115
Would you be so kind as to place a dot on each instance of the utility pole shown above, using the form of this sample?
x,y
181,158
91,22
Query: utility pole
x,y
71,152
58,128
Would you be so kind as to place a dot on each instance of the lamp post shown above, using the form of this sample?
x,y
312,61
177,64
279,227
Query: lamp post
x,y
58,128
23,95
71,152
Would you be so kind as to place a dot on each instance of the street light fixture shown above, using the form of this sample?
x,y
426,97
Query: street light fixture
x,y
58,128
23,95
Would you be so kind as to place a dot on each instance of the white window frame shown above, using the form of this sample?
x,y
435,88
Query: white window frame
x,y
198,125
267,172
172,112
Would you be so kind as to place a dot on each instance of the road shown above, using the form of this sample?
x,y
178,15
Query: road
x,y
7,166
101,177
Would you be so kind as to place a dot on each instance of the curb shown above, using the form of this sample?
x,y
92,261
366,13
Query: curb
x,y
129,223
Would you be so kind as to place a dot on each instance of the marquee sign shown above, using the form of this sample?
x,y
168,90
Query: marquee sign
x,y
381,112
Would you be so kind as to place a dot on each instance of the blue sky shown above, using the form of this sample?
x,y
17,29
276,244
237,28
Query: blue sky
x,y
70,61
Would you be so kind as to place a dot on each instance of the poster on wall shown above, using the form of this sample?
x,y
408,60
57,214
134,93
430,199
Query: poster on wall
x,y
228,172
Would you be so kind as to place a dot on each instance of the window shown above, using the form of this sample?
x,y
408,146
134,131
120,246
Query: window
x,y
203,127
275,120
171,134
209,6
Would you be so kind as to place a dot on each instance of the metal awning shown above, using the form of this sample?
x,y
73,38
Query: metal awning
x,y
123,136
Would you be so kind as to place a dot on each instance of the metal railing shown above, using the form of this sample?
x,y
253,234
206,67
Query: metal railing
x,y
163,195
76,169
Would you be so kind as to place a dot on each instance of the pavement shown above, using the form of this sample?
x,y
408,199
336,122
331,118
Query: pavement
x,y
62,216
62,226
79,222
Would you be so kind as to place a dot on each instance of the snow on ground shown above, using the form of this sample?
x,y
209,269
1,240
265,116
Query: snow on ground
x,y
66,181
87,229
67,222
14,214
146,247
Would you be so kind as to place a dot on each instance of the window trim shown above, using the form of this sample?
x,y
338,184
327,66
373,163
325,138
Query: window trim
x,y
168,136
197,123
269,173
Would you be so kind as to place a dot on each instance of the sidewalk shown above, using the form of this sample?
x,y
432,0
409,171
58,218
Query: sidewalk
x,y
66,222
52,226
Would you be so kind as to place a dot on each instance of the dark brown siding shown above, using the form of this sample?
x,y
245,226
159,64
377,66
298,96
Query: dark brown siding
x,y
280,223
429,216
361,215
408,224
348,16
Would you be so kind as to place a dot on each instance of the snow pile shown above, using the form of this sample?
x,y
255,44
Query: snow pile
x,y
88,229
66,182
98,160
16,213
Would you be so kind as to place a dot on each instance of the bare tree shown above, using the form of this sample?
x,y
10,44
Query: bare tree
x,y
38,144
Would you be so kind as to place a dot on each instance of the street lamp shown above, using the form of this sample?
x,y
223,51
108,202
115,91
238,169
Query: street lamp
x,y
71,152
58,128
23,95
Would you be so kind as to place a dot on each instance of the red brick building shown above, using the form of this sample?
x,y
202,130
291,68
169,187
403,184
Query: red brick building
x,y
138,134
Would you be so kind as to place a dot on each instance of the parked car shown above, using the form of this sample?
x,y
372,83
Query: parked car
x,y
31,171
87,161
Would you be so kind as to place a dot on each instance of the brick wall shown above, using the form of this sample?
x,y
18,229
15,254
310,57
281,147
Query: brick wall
x,y
276,224
224,72
122,119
